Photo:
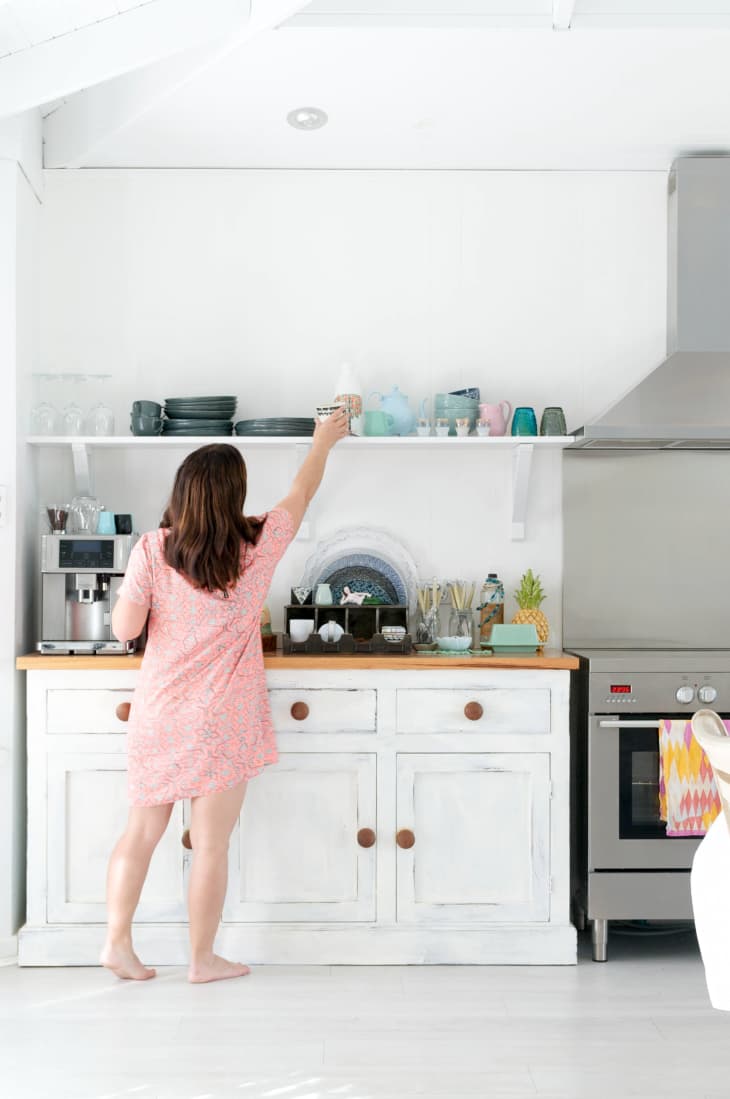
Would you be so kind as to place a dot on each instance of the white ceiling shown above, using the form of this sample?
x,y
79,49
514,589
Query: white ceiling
x,y
564,84
580,14
27,23
446,98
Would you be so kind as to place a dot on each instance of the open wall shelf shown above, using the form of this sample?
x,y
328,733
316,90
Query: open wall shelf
x,y
521,446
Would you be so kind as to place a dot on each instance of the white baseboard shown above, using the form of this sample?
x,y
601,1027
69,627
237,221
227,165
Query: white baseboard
x,y
259,944
9,950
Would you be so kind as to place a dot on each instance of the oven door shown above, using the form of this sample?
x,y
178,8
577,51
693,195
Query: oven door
x,y
625,831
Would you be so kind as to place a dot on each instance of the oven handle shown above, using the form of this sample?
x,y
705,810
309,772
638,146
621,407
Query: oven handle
x,y
606,723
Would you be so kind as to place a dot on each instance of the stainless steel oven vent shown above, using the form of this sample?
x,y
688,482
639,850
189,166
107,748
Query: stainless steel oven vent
x,y
685,402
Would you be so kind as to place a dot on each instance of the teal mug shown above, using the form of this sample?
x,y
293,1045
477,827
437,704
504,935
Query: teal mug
x,y
524,421
105,523
379,423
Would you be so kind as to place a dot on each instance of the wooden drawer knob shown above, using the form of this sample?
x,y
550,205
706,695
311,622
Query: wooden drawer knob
x,y
366,837
405,838
123,710
300,711
186,841
473,710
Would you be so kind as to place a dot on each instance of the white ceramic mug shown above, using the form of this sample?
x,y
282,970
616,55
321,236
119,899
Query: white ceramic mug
x,y
300,629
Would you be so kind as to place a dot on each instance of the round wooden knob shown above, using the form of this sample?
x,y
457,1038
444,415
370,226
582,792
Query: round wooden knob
x,y
123,710
366,837
473,710
405,838
300,711
186,841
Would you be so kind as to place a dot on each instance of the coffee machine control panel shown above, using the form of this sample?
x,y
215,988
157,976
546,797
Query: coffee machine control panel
x,y
86,553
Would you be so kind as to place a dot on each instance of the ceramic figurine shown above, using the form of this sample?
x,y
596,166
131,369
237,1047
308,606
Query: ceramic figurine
x,y
357,598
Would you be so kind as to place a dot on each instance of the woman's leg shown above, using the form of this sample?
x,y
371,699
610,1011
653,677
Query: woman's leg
x,y
213,819
128,868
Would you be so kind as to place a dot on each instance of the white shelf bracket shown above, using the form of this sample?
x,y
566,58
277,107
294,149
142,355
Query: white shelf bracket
x,y
306,529
521,466
82,472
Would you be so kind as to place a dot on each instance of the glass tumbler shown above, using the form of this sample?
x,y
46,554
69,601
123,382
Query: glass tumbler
x,y
73,420
552,421
524,421
44,419
100,420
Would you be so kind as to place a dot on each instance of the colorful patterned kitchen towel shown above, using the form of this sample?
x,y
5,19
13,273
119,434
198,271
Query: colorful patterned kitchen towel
x,y
688,797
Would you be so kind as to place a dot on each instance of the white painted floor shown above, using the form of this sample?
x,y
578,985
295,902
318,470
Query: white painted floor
x,y
639,1026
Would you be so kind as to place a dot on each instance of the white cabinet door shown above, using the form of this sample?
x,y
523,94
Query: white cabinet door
x,y
87,811
295,854
481,824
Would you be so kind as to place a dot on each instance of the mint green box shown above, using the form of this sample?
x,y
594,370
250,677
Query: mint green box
x,y
513,639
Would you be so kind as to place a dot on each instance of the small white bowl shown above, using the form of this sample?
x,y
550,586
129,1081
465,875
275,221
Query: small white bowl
x,y
454,644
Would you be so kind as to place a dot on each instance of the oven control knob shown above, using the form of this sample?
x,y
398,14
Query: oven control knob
x,y
685,694
707,694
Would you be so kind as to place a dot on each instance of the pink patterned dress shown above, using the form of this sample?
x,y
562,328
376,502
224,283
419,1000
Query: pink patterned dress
x,y
200,719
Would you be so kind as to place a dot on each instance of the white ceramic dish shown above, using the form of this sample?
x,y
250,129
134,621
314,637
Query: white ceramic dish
x,y
454,644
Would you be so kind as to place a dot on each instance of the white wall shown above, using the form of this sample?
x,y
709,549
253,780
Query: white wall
x,y
539,287
18,299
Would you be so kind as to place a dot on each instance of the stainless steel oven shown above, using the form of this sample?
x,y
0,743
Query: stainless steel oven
x,y
624,864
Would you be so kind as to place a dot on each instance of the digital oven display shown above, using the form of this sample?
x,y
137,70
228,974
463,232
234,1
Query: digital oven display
x,y
620,689
87,553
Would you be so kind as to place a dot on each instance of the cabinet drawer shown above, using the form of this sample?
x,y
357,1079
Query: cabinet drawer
x,y
324,711
496,710
88,711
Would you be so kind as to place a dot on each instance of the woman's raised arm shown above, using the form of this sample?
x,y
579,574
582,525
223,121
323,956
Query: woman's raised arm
x,y
309,477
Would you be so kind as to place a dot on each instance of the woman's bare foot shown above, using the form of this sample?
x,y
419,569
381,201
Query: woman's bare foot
x,y
216,969
125,964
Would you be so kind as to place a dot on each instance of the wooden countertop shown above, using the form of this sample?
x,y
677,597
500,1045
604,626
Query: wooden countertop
x,y
549,659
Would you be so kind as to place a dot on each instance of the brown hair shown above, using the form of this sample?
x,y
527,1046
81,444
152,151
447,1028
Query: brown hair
x,y
205,518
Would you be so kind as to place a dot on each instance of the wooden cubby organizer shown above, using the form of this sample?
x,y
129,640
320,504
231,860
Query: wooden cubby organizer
x,y
362,625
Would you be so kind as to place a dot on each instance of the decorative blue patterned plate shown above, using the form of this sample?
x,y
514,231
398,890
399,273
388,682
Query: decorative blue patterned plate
x,y
365,572
361,578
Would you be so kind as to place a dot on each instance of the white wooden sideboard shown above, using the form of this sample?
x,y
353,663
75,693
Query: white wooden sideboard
x,y
415,815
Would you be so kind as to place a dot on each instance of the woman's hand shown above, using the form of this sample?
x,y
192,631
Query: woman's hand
x,y
335,427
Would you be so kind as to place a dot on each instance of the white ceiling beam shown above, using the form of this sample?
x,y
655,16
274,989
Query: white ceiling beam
x,y
563,11
94,53
78,126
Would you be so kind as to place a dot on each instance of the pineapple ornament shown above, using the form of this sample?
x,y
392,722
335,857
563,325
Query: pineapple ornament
x,y
529,596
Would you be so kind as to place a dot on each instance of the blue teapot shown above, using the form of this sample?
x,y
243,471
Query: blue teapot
x,y
396,405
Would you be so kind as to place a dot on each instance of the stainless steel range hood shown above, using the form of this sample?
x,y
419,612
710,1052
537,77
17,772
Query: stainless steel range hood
x,y
685,402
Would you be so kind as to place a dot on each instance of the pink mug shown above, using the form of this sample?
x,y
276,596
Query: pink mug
x,y
498,416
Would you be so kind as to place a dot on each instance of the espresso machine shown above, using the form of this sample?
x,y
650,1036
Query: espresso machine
x,y
81,575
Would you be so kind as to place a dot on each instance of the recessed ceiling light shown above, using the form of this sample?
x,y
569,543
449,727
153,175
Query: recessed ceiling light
x,y
307,118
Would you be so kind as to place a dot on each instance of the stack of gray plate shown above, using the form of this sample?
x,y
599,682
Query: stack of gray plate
x,y
199,415
277,425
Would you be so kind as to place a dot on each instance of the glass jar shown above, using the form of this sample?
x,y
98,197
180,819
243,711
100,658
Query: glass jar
x,y
427,629
460,624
